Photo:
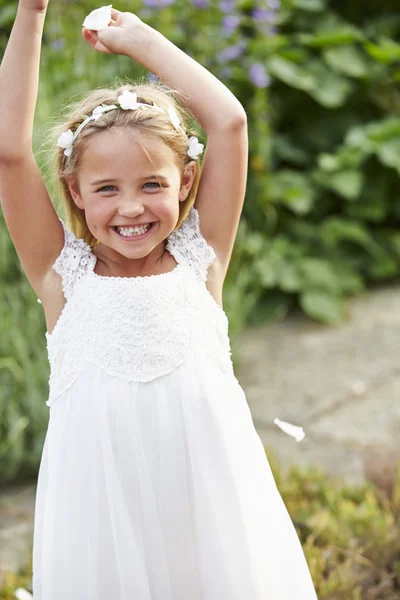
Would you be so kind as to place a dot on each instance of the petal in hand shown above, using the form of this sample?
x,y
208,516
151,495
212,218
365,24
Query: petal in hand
x,y
98,19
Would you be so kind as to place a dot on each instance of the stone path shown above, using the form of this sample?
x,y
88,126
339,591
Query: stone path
x,y
342,384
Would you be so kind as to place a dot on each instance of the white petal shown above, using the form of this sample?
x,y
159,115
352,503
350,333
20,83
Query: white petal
x,y
173,115
99,18
65,139
194,147
293,430
68,151
22,594
128,100
97,110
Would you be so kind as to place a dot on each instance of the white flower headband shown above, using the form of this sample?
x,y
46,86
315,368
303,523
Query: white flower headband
x,y
128,101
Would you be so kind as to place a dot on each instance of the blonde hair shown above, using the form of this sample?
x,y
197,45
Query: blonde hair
x,y
148,121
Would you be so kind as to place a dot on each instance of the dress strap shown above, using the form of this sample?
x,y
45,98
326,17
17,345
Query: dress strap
x,y
75,260
187,244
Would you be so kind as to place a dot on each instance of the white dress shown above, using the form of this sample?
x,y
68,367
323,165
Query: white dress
x,y
153,483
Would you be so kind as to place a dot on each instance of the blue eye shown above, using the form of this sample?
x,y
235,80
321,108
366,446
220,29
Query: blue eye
x,y
152,183
108,188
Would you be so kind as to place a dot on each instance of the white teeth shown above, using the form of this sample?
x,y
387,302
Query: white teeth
x,y
130,231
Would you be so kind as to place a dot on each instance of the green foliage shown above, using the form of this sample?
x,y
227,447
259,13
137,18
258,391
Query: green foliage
x,y
329,213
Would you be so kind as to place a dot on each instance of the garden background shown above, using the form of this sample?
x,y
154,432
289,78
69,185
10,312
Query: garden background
x,y
319,81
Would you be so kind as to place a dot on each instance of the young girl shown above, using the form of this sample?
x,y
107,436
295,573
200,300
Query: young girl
x,y
153,484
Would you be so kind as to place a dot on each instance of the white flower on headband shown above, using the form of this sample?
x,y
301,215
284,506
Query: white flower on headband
x,y
128,100
98,19
65,141
194,147
173,115
99,110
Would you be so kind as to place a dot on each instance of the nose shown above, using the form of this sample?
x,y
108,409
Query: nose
x,y
129,206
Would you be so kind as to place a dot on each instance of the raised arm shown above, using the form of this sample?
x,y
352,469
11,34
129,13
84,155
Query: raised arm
x,y
222,186
29,214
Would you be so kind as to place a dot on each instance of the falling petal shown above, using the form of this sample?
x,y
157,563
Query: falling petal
x,y
293,430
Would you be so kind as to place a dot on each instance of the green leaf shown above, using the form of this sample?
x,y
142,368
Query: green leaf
x,y
337,229
317,273
330,90
290,73
253,243
357,137
292,189
385,129
332,32
386,52
7,14
323,306
348,60
383,267
273,307
347,183
389,153
266,272
284,148
289,278
347,157
310,5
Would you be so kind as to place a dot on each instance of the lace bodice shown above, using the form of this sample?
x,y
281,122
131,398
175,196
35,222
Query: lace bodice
x,y
136,328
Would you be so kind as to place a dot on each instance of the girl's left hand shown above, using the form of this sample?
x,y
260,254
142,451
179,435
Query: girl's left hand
x,y
117,37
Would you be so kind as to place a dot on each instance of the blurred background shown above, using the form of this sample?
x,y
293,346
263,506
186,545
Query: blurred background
x,y
312,292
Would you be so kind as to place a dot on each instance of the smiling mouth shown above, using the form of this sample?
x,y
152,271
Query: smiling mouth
x,y
131,236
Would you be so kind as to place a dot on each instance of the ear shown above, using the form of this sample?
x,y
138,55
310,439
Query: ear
x,y
73,187
187,180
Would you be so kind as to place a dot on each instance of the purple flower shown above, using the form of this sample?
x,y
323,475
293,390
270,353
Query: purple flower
x,y
225,73
230,22
58,44
264,16
259,76
227,6
158,3
274,4
201,3
231,52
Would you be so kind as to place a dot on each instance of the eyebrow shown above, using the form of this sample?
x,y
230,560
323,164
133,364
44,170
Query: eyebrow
x,y
100,181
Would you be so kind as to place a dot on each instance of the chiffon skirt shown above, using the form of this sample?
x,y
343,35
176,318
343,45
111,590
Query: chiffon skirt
x,y
161,491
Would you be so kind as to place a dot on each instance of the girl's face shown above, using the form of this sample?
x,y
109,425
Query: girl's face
x,y
116,186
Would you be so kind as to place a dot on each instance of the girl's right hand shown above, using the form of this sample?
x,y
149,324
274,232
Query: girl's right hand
x,y
36,5
118,37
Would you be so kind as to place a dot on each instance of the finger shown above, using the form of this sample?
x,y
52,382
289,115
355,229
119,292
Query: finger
x,y
115,14
92,39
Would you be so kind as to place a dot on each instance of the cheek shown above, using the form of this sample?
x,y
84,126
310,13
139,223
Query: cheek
x,y
98,213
